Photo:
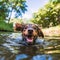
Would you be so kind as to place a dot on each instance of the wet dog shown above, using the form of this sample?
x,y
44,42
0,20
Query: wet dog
x,y
30,32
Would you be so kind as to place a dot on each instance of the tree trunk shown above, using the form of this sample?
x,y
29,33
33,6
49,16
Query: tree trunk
x,y
10,16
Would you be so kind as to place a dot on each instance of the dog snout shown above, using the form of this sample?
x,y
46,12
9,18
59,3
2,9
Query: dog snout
x,y
30,31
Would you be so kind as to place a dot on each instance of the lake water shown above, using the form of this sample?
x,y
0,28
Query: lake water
x,y
11,49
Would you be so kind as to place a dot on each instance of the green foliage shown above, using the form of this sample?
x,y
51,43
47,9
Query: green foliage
x,y
9,6
5,26
6,9
16,20
48,16
55,1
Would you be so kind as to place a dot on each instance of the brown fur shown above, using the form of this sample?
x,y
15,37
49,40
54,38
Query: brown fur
x,y
30,31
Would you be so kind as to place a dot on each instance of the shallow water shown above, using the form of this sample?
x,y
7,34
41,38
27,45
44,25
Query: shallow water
x,y
12,49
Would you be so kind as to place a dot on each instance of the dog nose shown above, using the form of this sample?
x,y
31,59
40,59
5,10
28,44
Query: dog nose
x,y
30,31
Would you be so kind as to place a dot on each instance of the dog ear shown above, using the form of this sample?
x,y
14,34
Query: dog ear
x,y
18,27
40,33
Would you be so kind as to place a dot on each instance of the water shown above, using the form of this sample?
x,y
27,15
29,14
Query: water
x,y
12,49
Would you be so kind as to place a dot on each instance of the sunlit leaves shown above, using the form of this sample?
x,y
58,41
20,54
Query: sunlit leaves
x,y
9,6
54,1
47,15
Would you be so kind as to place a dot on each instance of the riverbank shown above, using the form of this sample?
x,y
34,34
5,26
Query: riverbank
x,y
52,31
6,27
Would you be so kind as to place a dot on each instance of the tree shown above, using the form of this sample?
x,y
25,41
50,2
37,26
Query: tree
x,y
9,6
48,16
54,1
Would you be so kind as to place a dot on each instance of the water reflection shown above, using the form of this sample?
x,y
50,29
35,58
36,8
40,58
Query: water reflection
x,y
21,56
42,57
37,57
12,49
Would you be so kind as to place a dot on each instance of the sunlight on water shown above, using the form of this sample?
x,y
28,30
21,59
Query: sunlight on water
x,y
11,48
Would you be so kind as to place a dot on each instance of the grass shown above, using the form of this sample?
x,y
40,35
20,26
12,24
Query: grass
x,y
5,26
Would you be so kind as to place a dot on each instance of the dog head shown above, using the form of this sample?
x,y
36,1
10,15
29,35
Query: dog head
x,y
30,32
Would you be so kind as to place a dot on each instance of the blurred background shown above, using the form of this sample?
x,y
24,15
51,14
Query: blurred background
x,y
45,13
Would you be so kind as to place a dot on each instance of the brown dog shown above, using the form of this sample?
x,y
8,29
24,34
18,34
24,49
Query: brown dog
x,y
30,32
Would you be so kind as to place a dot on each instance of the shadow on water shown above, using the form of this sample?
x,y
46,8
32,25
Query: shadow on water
x,y
11,49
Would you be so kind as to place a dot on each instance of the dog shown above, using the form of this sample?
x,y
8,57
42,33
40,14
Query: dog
x,y
30,32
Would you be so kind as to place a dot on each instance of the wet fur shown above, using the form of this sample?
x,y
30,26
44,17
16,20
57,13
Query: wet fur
x,y
37,32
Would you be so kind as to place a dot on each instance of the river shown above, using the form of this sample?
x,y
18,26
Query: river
x,y
10,49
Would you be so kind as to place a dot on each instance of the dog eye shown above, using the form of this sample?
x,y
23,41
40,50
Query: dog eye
x,y
34,27
25,28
